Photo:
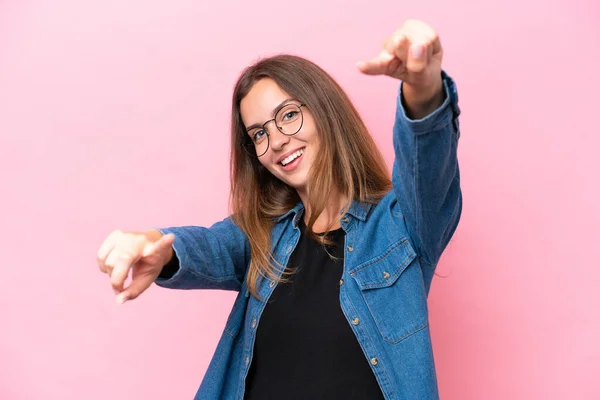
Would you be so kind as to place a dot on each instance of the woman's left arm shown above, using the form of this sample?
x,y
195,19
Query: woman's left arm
x,y
425,175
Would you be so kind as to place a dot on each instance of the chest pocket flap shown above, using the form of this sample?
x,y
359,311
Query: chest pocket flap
x,y
386,268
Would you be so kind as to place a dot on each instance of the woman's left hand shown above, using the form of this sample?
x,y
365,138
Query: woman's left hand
x,y
412,54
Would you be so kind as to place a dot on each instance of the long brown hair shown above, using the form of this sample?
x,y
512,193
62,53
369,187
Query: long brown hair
x,y
348,158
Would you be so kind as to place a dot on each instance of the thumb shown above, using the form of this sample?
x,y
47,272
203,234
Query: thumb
x,y
161,244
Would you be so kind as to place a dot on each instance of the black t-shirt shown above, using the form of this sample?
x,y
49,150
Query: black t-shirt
x,y
305,348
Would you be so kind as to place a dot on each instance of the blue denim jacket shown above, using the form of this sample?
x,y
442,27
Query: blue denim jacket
x,y
392,249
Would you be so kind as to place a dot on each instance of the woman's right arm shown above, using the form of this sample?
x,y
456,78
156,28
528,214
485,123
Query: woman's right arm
x,y
207,258
196,258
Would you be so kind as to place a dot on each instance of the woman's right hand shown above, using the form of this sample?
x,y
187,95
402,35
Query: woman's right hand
x,y
144,253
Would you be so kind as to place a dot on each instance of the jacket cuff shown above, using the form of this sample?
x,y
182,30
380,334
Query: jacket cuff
x,y
445,114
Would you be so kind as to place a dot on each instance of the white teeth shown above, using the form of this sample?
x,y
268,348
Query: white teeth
x,y
292,157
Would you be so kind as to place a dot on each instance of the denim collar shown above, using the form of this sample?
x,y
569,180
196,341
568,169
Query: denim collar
x,y
357,210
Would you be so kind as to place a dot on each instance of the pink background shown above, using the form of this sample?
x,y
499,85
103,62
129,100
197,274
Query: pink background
x,y
115,114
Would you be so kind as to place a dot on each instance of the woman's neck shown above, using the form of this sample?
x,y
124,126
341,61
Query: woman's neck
x,y
330,216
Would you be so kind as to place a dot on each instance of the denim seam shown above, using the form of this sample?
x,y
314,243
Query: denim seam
x,y
409,334
417,189
390,340
233,336
179,275
379,258
435,121
210,278
354,237
439,126
425,264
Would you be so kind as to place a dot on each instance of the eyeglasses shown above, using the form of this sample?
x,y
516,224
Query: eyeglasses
x,y
288,120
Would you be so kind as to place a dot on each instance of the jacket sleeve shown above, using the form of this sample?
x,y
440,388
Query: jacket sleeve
x,y
209,258
425,175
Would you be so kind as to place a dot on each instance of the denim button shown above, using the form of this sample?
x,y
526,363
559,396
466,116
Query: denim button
x,y
374,361
289,249
272,284
247,360
350,248
254,323
355,321
345,219
341,282
386,275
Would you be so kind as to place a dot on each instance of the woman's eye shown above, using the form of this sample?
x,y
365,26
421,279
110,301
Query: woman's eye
x,y
258,136
290,115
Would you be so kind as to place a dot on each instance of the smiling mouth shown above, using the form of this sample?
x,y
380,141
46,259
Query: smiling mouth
x,y
289,159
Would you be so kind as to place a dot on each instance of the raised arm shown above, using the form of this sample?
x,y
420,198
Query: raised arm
x,y
425,175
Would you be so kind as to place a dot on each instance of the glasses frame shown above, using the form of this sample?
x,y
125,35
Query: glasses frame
x,y
249,145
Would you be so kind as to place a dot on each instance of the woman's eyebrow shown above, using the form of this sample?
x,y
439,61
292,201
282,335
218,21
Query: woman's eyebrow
x,y
272,114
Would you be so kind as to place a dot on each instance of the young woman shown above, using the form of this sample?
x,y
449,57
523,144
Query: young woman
x,y
332,260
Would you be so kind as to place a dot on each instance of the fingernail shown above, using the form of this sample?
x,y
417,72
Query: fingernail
x,y
121,299
416,50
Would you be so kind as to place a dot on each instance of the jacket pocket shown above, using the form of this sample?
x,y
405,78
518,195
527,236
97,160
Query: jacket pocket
x,y
393,289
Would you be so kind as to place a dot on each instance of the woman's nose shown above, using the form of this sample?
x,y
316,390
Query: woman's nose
x,y
278,139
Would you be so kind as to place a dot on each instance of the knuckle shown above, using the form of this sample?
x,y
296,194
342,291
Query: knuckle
x,y
116,282
115,235
125,257
109,261
133,294
139,241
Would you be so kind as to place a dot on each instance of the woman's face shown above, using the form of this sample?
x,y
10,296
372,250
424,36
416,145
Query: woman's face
x,y
289,158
